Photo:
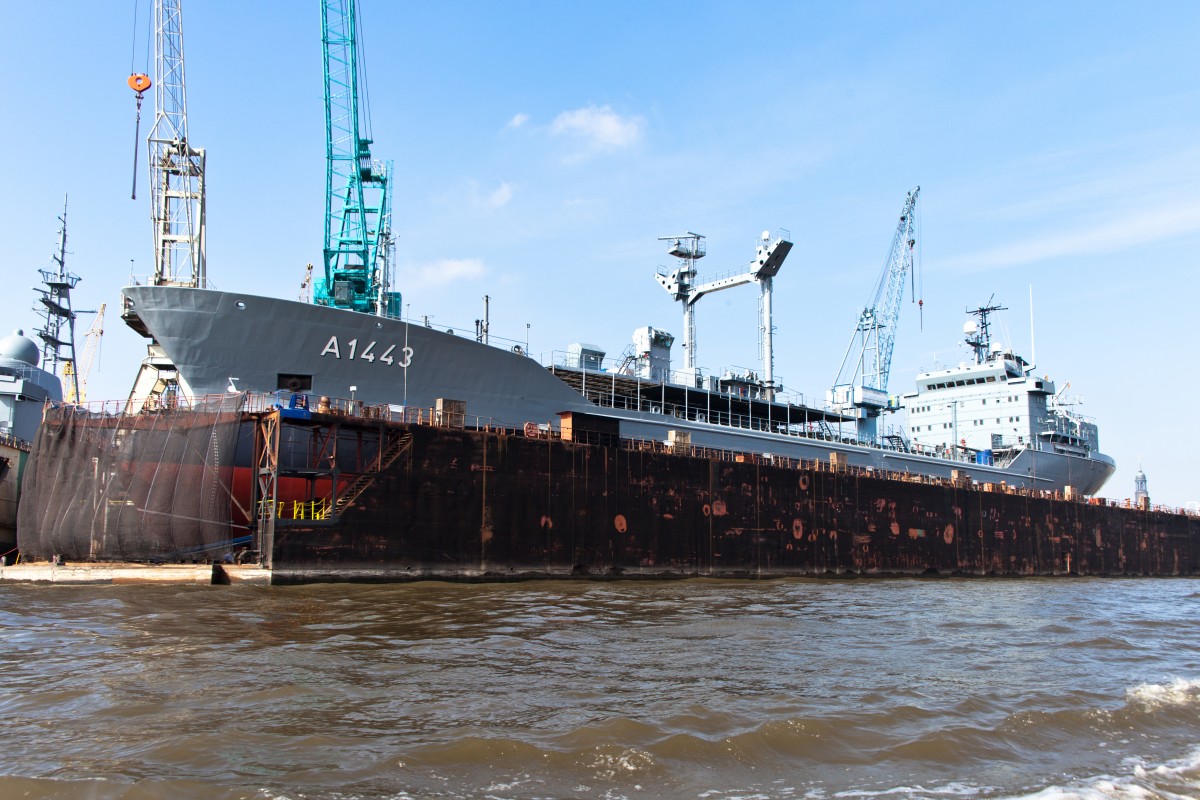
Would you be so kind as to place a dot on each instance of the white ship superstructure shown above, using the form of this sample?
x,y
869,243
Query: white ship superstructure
x,y
993,409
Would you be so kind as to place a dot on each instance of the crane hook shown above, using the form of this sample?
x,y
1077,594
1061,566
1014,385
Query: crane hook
x,y
139,83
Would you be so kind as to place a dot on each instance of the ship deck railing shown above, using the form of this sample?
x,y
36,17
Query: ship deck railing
x,y
15,442
791,430
787,427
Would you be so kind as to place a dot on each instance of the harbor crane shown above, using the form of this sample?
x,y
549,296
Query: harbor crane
x,y
77,389
681,284
358,203
177,192
861,385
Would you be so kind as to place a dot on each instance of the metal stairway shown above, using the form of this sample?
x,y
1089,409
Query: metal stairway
x,y
396,447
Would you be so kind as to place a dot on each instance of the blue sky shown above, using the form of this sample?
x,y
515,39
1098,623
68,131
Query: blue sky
x,y
541,148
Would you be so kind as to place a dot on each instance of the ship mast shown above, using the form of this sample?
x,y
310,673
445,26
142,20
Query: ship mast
x,y
979,334
58,331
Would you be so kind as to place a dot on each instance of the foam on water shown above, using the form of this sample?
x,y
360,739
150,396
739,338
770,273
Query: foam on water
x,y
1174,780
1179,692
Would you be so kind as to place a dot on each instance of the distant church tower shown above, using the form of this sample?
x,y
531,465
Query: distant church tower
x,y
1141,497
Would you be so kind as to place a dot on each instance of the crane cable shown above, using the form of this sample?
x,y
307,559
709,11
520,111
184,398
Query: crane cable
x,y
139,82
364,95
918,271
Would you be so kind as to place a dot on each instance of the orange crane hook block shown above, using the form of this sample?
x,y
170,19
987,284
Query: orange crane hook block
x,y
139,82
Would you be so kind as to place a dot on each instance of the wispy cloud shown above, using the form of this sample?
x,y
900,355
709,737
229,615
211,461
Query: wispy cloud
x,y
599,129
1105,236
517,121
483,198
442,272
499,197
1098,200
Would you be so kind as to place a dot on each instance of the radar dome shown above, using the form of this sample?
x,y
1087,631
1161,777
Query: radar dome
x,y
970,328
18,347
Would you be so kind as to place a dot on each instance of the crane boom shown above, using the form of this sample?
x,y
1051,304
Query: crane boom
x,y
861,384
875,334
358,206
176,168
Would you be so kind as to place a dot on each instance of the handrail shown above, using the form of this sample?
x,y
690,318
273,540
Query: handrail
x,y
14,441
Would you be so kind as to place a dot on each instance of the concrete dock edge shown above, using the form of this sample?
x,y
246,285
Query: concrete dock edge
x,y
88,573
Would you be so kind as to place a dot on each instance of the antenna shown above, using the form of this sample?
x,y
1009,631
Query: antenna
x,y
1032,343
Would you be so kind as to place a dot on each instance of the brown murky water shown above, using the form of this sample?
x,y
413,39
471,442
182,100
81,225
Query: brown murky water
x,y
1069,688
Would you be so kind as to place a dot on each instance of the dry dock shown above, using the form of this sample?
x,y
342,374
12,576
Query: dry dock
x,y
365,496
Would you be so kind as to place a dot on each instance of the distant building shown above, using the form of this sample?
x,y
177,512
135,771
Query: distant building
x,y
1141,497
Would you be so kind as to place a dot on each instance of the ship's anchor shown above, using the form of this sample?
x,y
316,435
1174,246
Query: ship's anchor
x,y
139,83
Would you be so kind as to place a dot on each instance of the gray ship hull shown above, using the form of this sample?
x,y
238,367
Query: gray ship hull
x,y
223,341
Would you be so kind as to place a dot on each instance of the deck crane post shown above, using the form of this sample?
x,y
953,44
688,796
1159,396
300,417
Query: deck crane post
x,y
358,204
861,385
681,284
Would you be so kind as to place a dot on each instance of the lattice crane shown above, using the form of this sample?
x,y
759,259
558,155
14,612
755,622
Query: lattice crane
x,y
176,168
861,384
358,208
90,350
177,194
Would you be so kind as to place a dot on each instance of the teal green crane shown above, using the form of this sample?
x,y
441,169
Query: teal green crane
x,y
358,205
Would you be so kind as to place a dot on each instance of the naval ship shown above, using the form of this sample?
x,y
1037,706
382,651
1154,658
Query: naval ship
x,y
990,422
24,389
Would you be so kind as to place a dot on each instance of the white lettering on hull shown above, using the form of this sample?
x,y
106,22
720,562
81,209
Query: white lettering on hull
x,y
334,348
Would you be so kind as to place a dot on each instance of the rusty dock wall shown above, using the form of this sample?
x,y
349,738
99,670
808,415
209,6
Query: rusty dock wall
x,y
463,504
